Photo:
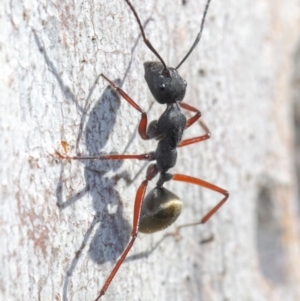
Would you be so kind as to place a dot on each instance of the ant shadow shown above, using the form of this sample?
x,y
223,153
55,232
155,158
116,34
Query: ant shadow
x,y
113,232
174,235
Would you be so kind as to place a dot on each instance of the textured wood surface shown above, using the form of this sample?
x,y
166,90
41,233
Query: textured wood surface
x,y
51,54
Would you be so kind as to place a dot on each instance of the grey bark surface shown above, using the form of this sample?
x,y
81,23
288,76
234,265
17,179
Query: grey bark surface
x,y
64,224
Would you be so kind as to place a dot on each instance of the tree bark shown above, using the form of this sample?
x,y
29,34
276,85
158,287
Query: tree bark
x,y
65,223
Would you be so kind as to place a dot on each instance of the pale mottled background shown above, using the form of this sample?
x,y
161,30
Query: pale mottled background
x,y
244,78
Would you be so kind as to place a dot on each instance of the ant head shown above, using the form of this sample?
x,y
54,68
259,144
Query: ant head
x,y
166,85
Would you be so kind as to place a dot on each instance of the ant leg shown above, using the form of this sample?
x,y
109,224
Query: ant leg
x,y
196,139
147,156
192,180
190,122
143,122
139,197
193,119
140,194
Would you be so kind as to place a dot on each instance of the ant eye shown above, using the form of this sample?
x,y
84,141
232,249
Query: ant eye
x,y
162,87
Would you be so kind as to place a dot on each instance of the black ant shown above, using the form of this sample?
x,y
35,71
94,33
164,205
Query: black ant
x,y
160,208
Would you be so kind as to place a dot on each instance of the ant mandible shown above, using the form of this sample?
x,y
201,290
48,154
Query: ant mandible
x,y
160,208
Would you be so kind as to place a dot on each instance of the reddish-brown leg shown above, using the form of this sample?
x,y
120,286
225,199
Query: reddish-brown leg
x,y
193,119
190,122
196,139
147,156
140,194
143,122
192,180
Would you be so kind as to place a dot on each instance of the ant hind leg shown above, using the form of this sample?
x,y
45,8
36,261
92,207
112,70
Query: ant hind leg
x,y
192,180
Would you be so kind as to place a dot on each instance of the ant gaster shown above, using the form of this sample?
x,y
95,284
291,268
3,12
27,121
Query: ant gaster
x,y
160,208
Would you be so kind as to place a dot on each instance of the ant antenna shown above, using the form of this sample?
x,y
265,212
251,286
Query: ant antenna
x,y
198,36
144,36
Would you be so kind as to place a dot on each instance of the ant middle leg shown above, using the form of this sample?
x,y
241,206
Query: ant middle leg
x,y
146,156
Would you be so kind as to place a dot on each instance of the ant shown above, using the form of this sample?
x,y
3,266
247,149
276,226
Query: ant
x,y
160,208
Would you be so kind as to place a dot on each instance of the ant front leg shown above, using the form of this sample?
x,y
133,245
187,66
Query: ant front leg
x,y
193,119
143,123
190,122
192,180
